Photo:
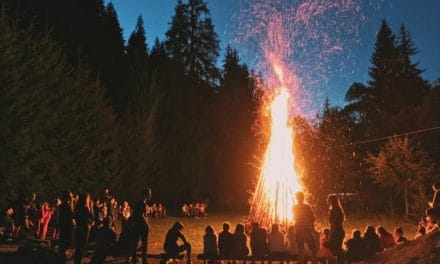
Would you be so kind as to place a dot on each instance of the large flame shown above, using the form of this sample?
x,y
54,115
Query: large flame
x,y
278,182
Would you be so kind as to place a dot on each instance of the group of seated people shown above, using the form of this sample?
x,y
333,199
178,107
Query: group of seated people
x,y
157,210
194,209
283,243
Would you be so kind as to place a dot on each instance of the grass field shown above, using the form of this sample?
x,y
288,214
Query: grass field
x,y
194,228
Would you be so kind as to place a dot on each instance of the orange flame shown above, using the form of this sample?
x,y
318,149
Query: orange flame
x,y
278,182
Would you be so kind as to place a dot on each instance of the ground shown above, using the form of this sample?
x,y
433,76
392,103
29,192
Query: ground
x,y
194,230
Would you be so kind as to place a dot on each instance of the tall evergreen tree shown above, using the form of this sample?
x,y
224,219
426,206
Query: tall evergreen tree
x,y
113,64
60,131
192,41
412,86
177,36
137,54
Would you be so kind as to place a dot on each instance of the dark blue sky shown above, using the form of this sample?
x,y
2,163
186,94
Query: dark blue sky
x,y
421,18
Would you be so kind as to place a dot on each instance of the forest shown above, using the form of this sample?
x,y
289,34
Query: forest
x,y
82,108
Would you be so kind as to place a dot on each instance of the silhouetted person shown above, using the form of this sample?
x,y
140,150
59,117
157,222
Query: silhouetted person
x,y
324,252
304,225
372,242
355,247
141,225
66,222
276,241
105,241
8,221
225,241
421,231
21,213
258,240
171,245
292,245
210,248
84,218
385,238
434,211
398,235
240,249
336,218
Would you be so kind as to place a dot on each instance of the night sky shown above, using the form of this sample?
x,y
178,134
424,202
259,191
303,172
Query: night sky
x,y
421,18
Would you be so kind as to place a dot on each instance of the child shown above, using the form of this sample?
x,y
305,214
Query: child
x,y
105,241
323,251
398,235
240,248
292,246
210,249
355,247
385,238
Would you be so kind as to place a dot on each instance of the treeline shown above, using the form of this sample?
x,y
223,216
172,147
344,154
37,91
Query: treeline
x,y
81,108
352,151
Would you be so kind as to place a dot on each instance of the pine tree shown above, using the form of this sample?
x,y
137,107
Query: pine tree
x,y
60,132
412,86
192,41
113,62
139,89
178,34
384,70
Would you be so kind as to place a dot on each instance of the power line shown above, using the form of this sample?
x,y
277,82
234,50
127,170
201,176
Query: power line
x,y
398,135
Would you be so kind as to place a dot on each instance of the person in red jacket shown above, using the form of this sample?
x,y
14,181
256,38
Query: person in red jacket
x,y
46,213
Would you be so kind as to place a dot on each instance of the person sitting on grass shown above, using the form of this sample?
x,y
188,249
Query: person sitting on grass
x,y
258,240
421,231
105,241
355,247
276,242
171,246
210,249
240,249
385,238
225,241
398,235
372,241
292,246
433,212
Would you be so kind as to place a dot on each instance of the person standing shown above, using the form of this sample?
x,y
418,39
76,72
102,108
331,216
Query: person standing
x,y
46,213
66,222
304,225
141,226
336,217
84,219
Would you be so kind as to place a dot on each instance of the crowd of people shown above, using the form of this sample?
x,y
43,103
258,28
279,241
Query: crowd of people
x,y
303,239
87,220
194,209
76,220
